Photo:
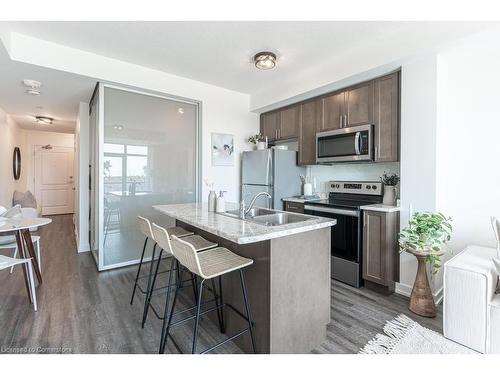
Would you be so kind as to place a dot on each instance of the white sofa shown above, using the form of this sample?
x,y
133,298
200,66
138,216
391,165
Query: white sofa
x,y
471,309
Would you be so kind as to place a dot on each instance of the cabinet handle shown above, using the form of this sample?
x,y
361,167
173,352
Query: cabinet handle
x,y
275,133
376,153
345,121
279,133
340,121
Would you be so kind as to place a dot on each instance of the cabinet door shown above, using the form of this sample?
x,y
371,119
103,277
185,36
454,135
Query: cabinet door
x,y
386,118
374,229
359,105
310,122
270,122
289,122
333,107
294,207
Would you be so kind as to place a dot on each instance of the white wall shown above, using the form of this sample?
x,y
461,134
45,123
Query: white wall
x,y
81,167
223,110
11,136
418,150
469,136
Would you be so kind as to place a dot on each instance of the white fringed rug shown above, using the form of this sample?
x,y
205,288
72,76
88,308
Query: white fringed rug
x,y
405,336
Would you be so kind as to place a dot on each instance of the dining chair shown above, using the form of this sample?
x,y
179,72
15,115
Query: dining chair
x,y
9,242
6,262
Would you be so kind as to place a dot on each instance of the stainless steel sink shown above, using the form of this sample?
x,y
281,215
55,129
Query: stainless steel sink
x,y
257,211
278,218
268,217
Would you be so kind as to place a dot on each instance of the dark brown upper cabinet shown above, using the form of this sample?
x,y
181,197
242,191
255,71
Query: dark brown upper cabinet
x,y
289,122
386,118
333,107
269,125
310,122
281,124
359,105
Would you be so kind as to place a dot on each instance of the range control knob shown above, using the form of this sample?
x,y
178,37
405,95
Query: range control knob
x,y
337,185
374,187
368,187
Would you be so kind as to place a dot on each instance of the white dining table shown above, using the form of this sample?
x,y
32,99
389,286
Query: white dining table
x,y
20,228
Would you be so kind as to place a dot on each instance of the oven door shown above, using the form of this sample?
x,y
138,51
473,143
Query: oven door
x,y
347,144
346,235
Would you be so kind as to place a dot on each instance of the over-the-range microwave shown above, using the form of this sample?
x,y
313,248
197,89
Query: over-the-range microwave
x,y
346,144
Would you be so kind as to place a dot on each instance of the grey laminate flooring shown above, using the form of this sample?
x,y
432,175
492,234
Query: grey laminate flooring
x,y
84,311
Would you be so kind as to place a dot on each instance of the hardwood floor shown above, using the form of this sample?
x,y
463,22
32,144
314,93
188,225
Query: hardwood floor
x,y
84,311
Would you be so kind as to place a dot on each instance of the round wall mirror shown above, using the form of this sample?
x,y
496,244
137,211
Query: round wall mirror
x,y
16,163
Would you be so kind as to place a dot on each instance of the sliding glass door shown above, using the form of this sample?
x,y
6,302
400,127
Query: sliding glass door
x,y
148,155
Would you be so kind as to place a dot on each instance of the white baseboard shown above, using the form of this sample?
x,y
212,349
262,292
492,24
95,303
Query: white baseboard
x,y
405,290
81,248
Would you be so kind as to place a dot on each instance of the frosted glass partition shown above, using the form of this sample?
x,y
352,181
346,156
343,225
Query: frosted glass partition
x,y
149,156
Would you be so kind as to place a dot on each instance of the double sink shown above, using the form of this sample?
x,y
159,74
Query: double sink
x,y
268,217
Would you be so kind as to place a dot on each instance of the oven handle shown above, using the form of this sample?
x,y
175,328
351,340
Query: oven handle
x,y
356,143
340,211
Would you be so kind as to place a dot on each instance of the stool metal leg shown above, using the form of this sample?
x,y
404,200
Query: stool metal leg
x,y
247,308
194,283
217,303
221,294
138,270
195,335
149,292
165,313
149,286
179,285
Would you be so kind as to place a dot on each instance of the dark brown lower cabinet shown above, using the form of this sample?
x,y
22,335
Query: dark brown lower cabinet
x,y
380,250
294,207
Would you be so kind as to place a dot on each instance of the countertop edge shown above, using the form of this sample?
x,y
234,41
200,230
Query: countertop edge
x,y
380,208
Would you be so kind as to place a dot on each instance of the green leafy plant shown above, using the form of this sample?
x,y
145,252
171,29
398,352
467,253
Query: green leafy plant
x,y
426,233
390,179
256,138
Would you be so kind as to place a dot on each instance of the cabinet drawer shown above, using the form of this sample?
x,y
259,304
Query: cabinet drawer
x,y
294,207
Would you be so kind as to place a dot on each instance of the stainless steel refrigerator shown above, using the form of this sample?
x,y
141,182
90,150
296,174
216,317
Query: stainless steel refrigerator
x,y
273,171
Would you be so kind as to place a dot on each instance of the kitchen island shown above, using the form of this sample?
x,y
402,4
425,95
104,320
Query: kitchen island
x,y
288,284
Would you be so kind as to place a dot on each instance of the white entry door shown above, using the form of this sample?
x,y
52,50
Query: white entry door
x,y
54,188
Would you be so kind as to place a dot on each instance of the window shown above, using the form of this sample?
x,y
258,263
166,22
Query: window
x,y
125,168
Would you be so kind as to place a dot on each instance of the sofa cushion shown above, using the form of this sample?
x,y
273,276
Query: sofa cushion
x,y
26,199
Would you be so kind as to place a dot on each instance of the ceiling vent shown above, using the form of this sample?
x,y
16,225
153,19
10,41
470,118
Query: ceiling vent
x,y
33,87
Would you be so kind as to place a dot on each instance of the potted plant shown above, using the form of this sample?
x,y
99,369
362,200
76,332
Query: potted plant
x,y
425,237
390,180
259,140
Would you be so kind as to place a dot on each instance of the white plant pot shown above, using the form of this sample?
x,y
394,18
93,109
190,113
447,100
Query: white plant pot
x,y
261,145
389,195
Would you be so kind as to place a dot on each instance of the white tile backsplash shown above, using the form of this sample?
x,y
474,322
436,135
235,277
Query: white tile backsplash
x,y
348,172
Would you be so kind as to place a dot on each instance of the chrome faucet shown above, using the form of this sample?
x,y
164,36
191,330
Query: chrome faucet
x,y
243,211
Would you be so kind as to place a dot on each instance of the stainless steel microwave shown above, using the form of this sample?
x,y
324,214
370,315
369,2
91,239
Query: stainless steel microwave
x,y
346,144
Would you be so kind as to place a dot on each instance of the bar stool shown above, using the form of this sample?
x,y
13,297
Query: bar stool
x,y
145,228
199,243
208,265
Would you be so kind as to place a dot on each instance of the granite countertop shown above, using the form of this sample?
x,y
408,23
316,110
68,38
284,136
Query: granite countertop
x,y
381,208
237,230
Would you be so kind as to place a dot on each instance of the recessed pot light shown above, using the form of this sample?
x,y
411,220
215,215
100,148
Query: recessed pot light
x,y
265,60
33,86
118,127
44,120
180,110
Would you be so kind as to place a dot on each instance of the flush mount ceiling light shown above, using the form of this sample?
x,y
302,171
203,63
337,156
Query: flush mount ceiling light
x,y
44,120
180,110
265,60
33,87
118,127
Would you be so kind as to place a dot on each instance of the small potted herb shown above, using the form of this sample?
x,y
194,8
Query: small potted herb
x,y
390,181
425,237
258,140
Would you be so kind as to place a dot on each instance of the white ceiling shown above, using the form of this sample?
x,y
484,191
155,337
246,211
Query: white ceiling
x,y
221,53
218,53
61,94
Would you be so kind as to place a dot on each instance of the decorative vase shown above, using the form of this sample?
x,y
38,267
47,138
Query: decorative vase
x,y
389,195
261,145
421,299
211,201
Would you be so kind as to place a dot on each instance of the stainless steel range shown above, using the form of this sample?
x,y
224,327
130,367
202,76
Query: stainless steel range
x,y
344,201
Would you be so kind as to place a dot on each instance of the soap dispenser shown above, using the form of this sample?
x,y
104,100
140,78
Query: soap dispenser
x,y
221,204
